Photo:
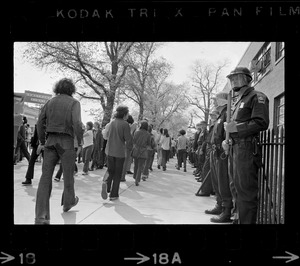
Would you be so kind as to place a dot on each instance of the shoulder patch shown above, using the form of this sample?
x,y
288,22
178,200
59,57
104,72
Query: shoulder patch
x,y
261,99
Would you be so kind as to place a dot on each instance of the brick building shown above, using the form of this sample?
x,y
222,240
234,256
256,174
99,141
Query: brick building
x,y
266,62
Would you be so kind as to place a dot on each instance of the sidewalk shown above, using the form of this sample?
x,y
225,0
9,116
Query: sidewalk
x,y
165,198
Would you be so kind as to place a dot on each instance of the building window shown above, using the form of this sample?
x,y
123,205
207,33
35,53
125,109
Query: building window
x,y
279,111
262,62
279,50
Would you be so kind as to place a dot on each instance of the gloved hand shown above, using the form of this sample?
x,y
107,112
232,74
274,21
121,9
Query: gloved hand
x,y
225,146
230,127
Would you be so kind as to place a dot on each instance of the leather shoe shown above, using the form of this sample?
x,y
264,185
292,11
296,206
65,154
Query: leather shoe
x,y
203,194
75,203
27,182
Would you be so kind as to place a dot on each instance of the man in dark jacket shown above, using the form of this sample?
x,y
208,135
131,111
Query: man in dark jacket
x,y
21,146
60,119
250,116
34,143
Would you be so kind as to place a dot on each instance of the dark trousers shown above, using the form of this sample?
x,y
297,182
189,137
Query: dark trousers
x,y
60,171
30,169
245,177
214,177
21,147
164,157
181,158
148,162
86,157
152,159
221,180
114,168
127,164
57,147
231,183
139,164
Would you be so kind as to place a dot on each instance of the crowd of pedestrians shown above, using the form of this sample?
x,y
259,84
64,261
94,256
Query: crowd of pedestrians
x,y
224,152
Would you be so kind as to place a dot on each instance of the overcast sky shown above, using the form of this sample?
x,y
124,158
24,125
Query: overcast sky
x,y
180,54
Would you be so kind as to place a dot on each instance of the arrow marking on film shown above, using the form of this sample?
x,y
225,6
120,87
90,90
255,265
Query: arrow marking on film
x,y
291,257
7,258
141,259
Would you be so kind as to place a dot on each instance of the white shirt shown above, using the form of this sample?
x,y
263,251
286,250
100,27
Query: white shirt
x,y
165,142
88,138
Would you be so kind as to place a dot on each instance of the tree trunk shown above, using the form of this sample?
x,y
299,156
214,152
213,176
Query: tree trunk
x,y
108,110
141,114
206,115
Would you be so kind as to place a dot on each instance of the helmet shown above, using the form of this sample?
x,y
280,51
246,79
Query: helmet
x,y
222,95
240,70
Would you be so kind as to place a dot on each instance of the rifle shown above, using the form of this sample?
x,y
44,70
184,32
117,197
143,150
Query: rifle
x,y
228,117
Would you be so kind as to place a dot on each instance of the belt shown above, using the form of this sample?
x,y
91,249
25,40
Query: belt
x,y
241,140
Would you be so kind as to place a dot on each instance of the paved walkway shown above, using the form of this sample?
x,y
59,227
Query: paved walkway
x,y
165,198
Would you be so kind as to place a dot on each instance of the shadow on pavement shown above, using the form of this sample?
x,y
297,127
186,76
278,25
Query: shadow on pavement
x,y
131,214
69,217
31,191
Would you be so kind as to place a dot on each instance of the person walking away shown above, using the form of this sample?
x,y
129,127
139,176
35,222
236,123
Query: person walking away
x,y
21,143
60,119
159,149
141,143
150,151
28,134
98,144
87,147
155,135
34,143
172,150
250,116
118,139
165,143
182,146
220,181
128,158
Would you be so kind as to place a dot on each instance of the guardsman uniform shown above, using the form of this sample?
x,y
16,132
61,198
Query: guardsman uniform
x,y
221,179
251,115
201,157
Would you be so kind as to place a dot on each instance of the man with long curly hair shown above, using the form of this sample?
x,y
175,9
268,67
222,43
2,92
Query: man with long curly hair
x,y
58,123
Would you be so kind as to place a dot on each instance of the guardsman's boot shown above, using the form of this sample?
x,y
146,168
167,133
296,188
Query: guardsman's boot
x,y
224,217
215,211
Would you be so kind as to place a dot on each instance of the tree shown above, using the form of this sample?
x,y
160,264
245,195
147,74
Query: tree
x,y
140,66
98,68
206,80
160,71
166,101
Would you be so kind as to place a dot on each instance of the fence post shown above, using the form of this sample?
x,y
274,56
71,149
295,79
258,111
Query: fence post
x,y
272,176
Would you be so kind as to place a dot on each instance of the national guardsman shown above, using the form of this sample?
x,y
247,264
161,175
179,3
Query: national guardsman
x,y
250,116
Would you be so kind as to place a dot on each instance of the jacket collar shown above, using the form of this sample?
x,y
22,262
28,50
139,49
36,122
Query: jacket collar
x,y
246,92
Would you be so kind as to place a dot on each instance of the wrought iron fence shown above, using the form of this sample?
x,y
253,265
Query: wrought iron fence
x,y
271,178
